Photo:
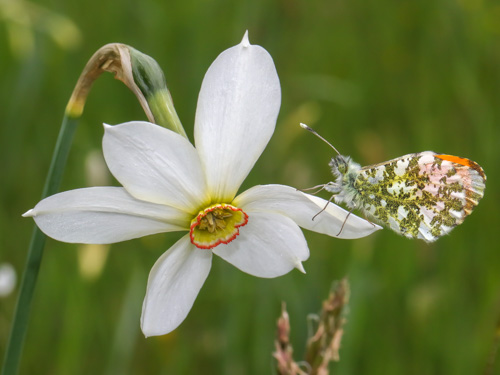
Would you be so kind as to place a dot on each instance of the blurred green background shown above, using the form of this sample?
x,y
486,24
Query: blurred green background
x,y
379,79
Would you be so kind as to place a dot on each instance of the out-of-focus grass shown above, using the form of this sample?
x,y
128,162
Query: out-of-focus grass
x,y
378,79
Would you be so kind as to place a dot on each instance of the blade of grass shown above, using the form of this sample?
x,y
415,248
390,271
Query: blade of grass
x,y
35,252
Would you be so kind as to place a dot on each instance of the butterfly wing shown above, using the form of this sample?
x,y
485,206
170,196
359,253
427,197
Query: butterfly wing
x,y
422,195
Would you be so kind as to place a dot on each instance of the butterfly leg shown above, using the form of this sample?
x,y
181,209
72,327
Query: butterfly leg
x,y
324,208
319,187
369,221
345,220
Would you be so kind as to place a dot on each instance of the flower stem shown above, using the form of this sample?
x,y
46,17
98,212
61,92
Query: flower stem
x,y
35,253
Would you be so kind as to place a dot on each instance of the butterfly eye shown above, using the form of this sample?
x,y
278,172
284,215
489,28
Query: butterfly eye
x,y
341,164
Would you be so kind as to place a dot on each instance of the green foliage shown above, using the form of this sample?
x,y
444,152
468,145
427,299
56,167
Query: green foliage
x,y
377,79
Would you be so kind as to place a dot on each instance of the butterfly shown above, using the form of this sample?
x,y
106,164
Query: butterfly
x,y
423,195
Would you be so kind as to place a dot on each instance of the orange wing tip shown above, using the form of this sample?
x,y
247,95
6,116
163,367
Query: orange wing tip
x,y
463,161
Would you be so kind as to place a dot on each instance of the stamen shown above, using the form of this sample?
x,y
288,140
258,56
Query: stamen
x,y
216,224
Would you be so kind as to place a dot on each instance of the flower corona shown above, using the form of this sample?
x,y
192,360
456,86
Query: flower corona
x,y
215,225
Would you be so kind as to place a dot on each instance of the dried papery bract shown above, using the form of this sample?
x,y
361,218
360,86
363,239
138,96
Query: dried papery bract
x,y
140,73
113,58
322,347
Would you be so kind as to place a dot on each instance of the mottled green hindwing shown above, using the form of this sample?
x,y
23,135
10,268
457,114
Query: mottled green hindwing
x,y
422,195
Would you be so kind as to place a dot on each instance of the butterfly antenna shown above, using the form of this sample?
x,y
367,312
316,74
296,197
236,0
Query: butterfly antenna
x,y
304,126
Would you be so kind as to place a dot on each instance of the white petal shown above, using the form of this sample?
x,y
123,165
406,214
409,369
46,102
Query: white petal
x,y
237,109
270,245
174,282
100,215
155,164
302,208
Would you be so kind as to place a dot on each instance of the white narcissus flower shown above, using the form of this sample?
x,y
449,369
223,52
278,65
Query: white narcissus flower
x,y
169,185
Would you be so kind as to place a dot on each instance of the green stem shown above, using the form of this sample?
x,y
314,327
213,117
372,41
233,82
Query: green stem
x,y
35,253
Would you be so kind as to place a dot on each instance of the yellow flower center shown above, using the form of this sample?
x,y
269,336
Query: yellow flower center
x,y
216,224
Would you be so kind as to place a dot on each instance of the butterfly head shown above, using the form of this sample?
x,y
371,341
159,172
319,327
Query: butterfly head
x,y
340,165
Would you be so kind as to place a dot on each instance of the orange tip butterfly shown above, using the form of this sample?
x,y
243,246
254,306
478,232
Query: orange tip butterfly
x,y
423,195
